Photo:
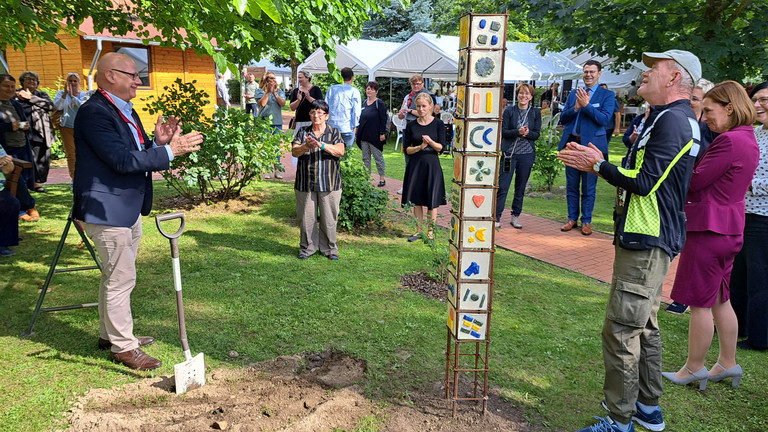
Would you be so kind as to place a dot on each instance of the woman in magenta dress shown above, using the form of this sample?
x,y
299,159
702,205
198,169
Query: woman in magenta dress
x,y
715,212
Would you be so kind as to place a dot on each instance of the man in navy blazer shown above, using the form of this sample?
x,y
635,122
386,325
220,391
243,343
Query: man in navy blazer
x,y
113,188
586,114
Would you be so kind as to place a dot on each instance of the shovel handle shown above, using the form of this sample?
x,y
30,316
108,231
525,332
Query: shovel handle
x,y
167,217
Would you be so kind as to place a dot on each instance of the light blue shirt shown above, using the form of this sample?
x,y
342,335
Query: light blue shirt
x,y
344,107
2,155
126,107
69,105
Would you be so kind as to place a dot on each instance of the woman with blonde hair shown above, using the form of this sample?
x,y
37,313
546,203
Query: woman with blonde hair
x,y
424,186
715,233
270,98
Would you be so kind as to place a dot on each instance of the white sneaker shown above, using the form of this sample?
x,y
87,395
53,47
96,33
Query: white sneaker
x,y
498,225
400,191
515,223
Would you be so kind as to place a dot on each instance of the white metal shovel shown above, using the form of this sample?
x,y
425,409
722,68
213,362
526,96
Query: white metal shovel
x,y
191,373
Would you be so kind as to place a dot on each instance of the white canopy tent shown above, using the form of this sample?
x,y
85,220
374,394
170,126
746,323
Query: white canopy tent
x,y
524,63
361,55
437,57
425,54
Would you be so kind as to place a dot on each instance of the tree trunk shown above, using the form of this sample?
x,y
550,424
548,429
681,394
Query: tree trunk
x,y
294,70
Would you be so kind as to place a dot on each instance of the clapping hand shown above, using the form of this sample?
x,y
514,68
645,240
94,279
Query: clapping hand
x,y
582,98
312,142
24,94
425,141
523,131
165,130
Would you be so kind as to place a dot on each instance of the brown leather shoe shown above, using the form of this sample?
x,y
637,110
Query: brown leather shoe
x,y
33,213
137,359
586,228
105,344
571,224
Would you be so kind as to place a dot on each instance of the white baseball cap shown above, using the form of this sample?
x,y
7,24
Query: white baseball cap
x,y
686,59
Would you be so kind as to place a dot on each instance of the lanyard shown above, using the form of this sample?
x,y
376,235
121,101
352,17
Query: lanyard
x,y
125,119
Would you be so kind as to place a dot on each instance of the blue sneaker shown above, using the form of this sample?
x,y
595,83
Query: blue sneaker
x,y
653,421
606,425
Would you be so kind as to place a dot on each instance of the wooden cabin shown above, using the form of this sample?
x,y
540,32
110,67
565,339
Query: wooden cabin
x,y
158,66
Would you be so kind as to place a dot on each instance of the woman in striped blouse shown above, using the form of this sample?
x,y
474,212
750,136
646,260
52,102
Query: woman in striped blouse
x,y
318,182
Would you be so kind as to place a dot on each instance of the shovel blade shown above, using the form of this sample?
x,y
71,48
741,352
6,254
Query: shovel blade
x,y
190,374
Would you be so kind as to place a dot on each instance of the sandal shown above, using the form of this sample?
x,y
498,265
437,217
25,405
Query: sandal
x,y
41,189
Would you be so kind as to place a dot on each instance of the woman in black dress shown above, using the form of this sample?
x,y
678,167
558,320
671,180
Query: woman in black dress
x,y
424,186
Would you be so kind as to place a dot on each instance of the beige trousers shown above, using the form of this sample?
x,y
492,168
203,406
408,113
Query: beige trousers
x,y
68,142
117,248
318,232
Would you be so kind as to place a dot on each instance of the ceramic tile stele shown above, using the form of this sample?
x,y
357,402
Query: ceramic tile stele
x,y
477,135
480,67
479,102
482,31
471,234
473,202
467,326
475,170
469,265
470,296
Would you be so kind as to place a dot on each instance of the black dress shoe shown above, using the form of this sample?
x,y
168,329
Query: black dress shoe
x,y
137,359
143,341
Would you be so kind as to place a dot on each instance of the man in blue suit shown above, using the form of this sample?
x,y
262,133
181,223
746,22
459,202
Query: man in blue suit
x,y
587,112
113,188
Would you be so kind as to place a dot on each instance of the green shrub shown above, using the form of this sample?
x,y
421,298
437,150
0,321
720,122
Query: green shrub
x,y
236,150
547,166
233,87
361,202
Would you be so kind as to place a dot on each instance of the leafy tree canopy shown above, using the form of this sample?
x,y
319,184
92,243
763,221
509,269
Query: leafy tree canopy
x,y
398,22
729,36
520,28
243,30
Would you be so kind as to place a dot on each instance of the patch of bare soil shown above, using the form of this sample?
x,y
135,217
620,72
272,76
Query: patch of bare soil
x,y
245,203
308,393
423,283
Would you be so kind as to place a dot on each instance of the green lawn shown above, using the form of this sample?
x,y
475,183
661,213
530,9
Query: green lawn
x,y
245,290
551,208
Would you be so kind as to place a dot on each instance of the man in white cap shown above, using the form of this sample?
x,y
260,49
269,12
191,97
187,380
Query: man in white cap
x,y
651,187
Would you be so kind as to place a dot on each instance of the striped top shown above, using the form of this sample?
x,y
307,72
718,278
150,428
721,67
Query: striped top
x,y
318,171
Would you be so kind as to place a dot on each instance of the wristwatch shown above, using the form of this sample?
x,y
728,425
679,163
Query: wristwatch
x,y
597,164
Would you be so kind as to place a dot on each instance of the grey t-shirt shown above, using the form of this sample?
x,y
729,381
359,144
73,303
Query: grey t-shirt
x,y
271,108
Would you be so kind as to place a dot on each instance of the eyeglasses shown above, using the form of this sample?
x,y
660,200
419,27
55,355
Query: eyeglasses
x,y
762,101
134,75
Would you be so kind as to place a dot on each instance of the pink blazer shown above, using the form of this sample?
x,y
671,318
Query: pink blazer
x,y
720,179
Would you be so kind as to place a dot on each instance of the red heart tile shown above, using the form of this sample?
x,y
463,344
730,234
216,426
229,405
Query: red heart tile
x,y
478,200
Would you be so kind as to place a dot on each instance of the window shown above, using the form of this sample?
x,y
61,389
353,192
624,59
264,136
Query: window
x,y
140,56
